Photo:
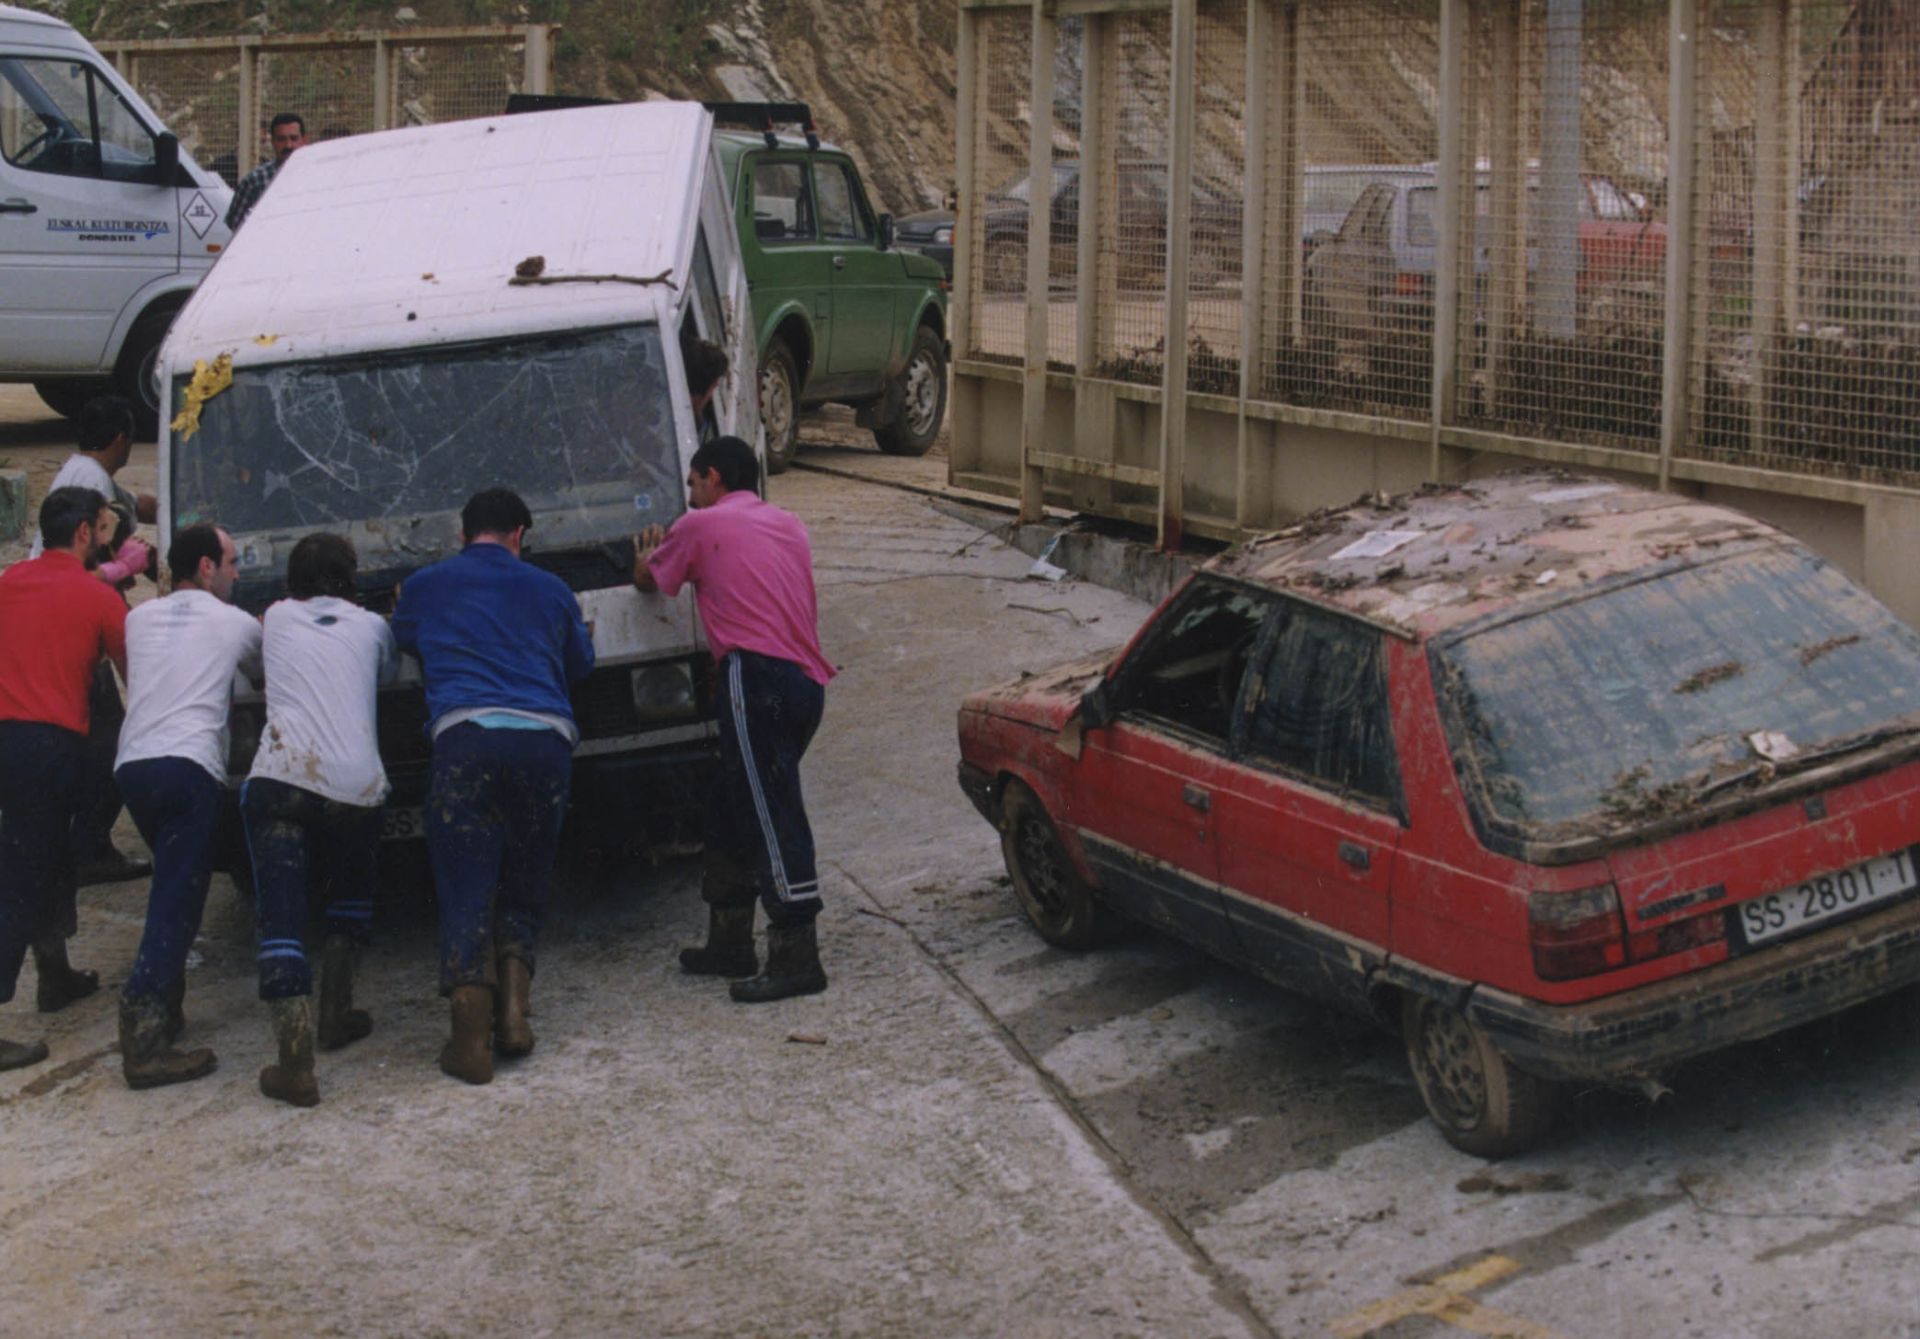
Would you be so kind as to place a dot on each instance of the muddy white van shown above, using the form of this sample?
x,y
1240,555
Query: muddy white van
x,y
409,317
105,225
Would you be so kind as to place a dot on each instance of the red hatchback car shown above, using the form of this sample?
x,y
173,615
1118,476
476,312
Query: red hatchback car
x,y
1566,779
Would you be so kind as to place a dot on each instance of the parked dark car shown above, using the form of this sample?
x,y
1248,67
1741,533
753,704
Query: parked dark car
x,y
1567,780
929,232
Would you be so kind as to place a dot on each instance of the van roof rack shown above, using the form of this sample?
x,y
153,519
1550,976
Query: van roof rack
x,y
766,117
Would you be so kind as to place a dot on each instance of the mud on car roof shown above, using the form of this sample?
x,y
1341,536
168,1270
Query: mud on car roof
x,y
1445,555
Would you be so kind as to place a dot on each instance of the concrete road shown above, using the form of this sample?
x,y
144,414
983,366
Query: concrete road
x,y
995,1137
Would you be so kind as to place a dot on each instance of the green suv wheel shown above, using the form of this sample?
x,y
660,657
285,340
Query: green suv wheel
x,y
780,405
923,402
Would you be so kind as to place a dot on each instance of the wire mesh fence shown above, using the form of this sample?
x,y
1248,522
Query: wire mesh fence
x,y
999,190
197,95
1131,193
1063,227
1217,224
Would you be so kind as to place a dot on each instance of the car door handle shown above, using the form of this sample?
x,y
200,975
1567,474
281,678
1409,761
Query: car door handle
x,y
1356,855
839,262
1195,798
18,207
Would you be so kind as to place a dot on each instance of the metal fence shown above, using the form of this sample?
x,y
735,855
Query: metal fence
x,y
1674,237
219,93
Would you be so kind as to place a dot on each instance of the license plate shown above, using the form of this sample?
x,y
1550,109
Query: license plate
x,y
1822,898
402,823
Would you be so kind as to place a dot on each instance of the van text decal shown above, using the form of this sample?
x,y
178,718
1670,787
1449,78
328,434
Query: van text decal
x,y
111,230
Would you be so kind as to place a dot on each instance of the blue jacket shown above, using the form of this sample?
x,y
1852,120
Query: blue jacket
x,y
492,631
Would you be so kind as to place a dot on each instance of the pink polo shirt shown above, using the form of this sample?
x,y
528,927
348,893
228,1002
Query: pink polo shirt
x,y
752,574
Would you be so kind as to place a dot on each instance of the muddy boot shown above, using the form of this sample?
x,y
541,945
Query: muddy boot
x,y
59,985
20,1054
147,1059
793,967
340,1023
468,1054
176,1011
728,951
513,1035
292,1079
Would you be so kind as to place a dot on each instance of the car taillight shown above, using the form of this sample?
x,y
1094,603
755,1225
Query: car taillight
x,y
1412,285
1576,934
1677,936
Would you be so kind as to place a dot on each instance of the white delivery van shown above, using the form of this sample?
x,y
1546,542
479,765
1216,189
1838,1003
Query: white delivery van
x,y
412,316
105,226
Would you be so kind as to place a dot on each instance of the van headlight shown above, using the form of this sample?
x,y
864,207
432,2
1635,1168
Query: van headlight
x,y
663,692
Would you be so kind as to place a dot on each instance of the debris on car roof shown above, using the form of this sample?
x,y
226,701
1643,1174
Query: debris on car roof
x,y
1442,555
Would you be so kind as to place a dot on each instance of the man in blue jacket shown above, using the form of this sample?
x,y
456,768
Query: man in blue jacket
x,y
498,642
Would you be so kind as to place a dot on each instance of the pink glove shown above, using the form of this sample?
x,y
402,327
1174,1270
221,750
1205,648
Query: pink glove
x,y
130,561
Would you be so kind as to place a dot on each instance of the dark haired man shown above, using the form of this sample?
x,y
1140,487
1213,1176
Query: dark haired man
x,y
182,651
752,573
56,624
104,442
288,133
313,800
499,641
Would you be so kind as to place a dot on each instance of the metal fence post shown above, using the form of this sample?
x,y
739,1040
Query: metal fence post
x,y
1173,397
1455,24
966,111
1683,26
538,77
1266,31
1033,404
382,86
1776,161
247,146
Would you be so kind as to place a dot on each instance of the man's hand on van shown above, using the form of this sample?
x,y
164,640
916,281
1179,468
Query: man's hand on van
x,y
644,544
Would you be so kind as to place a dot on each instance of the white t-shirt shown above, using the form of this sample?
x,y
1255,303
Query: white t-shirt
x,y
182,651
325,660
82,472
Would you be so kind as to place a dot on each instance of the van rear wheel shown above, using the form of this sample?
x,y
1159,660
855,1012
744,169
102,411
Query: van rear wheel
x,y
1481,1102
135,376
68,395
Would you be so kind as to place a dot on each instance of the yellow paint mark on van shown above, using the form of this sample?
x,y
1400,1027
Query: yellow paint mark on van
x,y
208,380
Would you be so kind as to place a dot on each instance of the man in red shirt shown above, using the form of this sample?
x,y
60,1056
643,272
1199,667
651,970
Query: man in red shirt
x,y
752,573
56,622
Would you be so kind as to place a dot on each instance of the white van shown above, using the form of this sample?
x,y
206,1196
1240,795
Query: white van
x,y
412,316
105,226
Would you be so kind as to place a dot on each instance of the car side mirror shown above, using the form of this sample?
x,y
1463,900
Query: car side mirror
x,y
886,232
166,158
1096,706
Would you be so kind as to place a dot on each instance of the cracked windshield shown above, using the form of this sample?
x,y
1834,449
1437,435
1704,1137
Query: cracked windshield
x,y
386,450
1637,701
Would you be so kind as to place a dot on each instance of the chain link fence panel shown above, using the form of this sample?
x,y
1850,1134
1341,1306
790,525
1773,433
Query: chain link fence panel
x,y
999,190
1131,202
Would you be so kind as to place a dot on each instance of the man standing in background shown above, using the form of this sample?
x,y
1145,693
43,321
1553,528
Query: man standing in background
x,y
288,133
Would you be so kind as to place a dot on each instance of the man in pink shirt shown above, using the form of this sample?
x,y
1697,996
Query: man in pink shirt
x,y
752,574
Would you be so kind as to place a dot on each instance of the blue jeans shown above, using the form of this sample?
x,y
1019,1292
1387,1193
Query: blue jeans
x,y
42,785
495,803
176,805
769,710
290,830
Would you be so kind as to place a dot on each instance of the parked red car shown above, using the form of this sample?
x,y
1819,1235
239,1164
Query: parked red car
x,y
1568,780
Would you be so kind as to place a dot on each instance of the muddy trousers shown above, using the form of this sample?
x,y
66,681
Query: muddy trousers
x,y
176,805
495,802
100,802
291,832
756,816
42,781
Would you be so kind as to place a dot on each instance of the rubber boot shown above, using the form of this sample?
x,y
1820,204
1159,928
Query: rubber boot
x,y
59,984
513,1035
793,967
147,1059
468,1054
20,1054
340,1023
292,1079
728,951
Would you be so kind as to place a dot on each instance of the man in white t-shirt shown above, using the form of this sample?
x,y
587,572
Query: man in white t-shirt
x,y
182,652
104,436
313,800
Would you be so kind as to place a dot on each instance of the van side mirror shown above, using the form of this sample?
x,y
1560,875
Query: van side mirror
x,y
166,158
1096,706
886,232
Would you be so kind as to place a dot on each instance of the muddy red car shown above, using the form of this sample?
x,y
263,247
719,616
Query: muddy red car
x,y
1566,780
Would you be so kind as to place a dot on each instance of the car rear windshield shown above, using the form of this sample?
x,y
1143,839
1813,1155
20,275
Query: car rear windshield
x,y
1638,700
387,449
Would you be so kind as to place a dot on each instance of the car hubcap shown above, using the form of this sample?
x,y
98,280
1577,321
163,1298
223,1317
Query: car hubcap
x,y
1040,864
923,396
776,407
1452,1064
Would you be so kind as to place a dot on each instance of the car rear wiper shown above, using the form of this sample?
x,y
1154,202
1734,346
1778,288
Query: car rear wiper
x,y
1766,770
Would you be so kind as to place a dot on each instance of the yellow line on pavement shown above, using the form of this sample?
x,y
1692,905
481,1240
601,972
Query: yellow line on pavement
x,y
1445,1300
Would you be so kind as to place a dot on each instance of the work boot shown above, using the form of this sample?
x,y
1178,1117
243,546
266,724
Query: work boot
x,y
728,951
106,864
176,1010
59,984
513,1036
147,1059
468,1054
340,1023
20,1054
793,967
292,1079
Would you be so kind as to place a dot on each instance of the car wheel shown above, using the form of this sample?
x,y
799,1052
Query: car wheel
x,y
67,396
135,376
923,400
1481,1102
1051,892
780,405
